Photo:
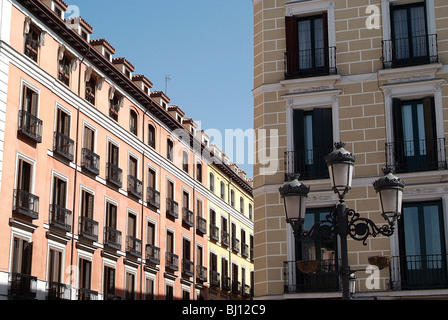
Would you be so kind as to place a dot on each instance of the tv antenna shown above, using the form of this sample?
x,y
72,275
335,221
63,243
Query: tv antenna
x,y
167,78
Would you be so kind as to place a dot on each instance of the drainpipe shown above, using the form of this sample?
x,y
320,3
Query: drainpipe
x,y
76,171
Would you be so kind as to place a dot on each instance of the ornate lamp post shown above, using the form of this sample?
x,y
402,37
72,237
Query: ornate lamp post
x,y
342,221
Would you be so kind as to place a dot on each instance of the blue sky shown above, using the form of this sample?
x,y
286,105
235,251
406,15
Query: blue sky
x,y
205,46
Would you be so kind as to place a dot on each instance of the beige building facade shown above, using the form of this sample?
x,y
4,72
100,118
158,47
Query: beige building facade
x,y
371,73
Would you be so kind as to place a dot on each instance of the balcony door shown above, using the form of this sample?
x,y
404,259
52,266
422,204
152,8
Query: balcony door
x,y
409,31
416,141
422,246
313,139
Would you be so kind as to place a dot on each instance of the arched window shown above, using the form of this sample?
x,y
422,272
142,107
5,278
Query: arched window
x,y
152,136
232,198
133,122
223,191
212,182
185,161
241,205
169,149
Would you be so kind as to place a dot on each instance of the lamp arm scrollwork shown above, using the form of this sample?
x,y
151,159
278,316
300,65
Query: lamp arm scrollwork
x,y
361,228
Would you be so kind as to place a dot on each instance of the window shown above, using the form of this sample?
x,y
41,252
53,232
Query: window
x,y
307,49
65,64
32,40
185,295
133,244
223,191
134,184
313,140
416,146
242,205
410,43
130,286
22,283
150,233
250,211
111,234
150,289
85,274
152,136
29,124
115,103
91,89
109,283
185,161
24,177
59,216
169,292
199,172
169,149
212,182
232,198
114,172
187,268
90,160
63,145
133,122
88,227
55,286
153,196
422,245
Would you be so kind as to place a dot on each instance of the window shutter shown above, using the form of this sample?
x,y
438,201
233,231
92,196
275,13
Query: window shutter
x,y
90,205
397,120
34,101
291,43
27,257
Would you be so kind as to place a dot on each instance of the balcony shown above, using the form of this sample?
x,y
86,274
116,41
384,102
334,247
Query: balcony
x,y
225,238
87,294
152,254
112,238
310,63
135,186
22,286
225,283
236,287
214,232
201,225
187,268
88,228
63,146
419,272
325,279
416,155
172,261
410,51
114,174
153,197
235,244
172,208
215,278
133,246
187,217
57,291
30,126
26,203
309,163
201,273
90,161
60,217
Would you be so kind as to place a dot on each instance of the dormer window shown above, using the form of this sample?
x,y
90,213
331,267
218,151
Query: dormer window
x,y
57,6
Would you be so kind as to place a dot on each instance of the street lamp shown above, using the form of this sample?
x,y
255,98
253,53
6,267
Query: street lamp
x,y
341,221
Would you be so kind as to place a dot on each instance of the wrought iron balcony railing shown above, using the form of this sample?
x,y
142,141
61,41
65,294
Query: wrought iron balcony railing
x,y
309,163
410,51
90,161
112,238
172,208
60,217
419,272
416,155
133,246
201,225
87,294
114,174
88,228
236,287
187,267
135,186
63,146
172,261
201,273
30,126
153,197
325,279
22,285
310,62
214,232
26,203
57,291
152,254
187,216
